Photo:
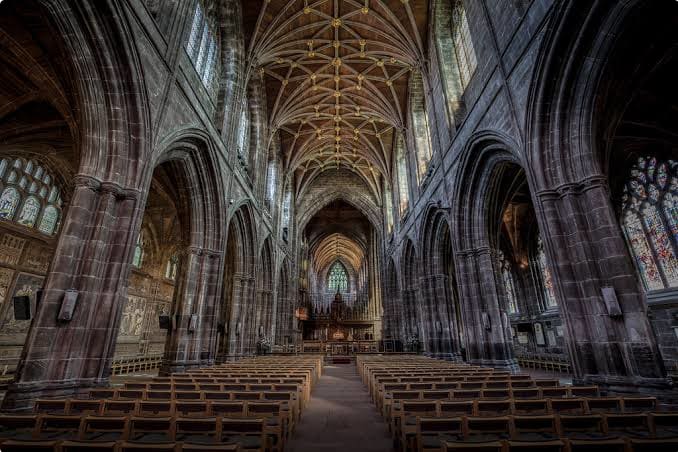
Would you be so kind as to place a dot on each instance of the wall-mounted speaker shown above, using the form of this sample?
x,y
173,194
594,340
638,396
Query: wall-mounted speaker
x,y
221,329
68,305
487,323
164,322
611,302
22,307
193,323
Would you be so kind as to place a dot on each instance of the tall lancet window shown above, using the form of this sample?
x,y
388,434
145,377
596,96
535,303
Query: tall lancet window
x,y
202,44
650,221
549,291
463,44
506,270
337,279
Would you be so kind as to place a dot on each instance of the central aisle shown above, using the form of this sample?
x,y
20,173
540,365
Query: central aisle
x,y
340,416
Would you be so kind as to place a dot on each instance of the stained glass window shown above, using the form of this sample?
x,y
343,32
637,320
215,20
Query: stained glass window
x,y
172,264
271,180
403,186
509,285
463,44
244,132
3,166
337,280
202,44
420,126
547,280
29,212
286,208
49,219
388,205
8,202
650,221
27,185
138,258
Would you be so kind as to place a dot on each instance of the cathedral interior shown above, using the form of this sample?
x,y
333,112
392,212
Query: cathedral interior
x,y
409,225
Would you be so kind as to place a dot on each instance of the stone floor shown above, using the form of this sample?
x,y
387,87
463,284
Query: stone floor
x,y
340,416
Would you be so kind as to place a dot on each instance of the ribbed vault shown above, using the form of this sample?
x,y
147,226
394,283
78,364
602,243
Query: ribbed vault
x,y
336,73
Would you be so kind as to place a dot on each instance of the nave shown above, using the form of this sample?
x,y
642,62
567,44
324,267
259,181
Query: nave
x,y
404,403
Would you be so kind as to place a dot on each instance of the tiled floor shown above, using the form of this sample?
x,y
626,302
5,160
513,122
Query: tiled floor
x,y
340,416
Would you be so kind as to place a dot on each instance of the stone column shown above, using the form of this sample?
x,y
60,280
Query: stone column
x,y
64,358
485,325
587,253
192,341
443,321
237,333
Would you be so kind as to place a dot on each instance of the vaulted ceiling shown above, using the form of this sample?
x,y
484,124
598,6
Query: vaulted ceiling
x,y
336,75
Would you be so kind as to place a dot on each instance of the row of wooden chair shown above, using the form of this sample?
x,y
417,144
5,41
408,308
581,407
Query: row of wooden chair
x,y
492,407
427,434
50,432
554,417
177,412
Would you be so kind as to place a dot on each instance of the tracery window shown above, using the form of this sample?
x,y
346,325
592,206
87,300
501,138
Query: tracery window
x,y
202,46
650,221
545,274
171,269
403,186
388,205
508,282
463,44
138,258
420,126
244,132
271,181
28,195
337,280
286,208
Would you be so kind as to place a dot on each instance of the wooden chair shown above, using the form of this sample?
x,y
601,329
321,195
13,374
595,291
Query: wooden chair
x,y
20,427
601,445
584,427
567,406
119,407
84,407
481,429
664,424
58,427
629,424
536,446
191,408
530,406
104,428
526,393
128,446
17,445
431,432
249,433
493,407
156,429
456,408
197,431
654,444
487,446
155,408
604,405
639,404
50,406
188,447
88,446
534,428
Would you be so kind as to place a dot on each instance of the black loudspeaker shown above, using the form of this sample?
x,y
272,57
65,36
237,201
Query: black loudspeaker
x,y
221,329
164,322
22,307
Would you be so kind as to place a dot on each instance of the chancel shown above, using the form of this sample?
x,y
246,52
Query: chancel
x,y
375,225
